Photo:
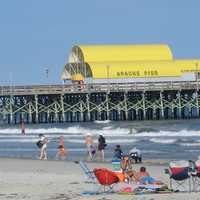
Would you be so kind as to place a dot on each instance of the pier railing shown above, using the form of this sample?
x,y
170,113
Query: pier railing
x,y
89,88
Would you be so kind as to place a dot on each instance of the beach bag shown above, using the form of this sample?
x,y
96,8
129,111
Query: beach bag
x,y
39,144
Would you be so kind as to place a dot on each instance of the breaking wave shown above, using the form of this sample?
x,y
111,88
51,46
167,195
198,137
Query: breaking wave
x,y
181,133
163,140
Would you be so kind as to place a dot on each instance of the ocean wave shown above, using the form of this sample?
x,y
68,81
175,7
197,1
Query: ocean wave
x,y
181,133
190,144
102,122
69,130
109,141
163,140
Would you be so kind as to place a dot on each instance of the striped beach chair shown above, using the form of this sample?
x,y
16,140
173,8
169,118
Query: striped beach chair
x,y
179,174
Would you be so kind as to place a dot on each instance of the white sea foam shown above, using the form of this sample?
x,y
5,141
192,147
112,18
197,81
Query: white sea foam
x,y
163,140
190,144
109,141
107,131
69,130
182,133
102,122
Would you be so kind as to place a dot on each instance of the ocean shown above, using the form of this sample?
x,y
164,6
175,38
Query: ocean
x,y
174,139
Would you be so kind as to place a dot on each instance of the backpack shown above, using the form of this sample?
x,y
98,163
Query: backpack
x,y
39,144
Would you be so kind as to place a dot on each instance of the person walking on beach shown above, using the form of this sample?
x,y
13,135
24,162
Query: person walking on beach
x,y
90,146
42,144
101,146
62,153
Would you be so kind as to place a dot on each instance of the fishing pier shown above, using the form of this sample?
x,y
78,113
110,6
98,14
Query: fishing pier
x,y
90,102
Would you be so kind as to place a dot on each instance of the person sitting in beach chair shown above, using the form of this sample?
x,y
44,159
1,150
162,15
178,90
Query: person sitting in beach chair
x,y
127,169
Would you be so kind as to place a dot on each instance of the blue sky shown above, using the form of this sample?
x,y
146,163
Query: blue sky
x,y
38,34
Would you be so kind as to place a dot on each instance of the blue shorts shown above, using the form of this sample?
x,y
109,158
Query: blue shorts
x,y
147,179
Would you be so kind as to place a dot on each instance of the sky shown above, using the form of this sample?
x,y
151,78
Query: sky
x,y
36,35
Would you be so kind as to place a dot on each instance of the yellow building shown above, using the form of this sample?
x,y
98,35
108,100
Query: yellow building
x,y
127,63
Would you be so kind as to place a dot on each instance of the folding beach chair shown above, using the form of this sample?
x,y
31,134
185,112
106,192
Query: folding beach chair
x,y
106,178
116,166
90,176
179,175
195,174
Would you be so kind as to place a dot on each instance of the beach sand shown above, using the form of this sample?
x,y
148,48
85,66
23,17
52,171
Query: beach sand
x,y
54,180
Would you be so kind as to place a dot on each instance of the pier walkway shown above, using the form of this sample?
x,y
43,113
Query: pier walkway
x,y
76,103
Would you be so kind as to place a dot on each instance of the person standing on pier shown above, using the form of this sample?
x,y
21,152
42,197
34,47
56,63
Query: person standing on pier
x,y
101,146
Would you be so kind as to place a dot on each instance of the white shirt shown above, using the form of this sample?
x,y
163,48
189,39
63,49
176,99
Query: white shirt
x,y
43,139
135,150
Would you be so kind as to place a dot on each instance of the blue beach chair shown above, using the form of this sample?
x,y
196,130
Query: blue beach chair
x,y
91,178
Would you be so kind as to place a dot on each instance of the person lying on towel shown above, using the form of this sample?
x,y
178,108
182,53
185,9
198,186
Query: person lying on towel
x,y
144,178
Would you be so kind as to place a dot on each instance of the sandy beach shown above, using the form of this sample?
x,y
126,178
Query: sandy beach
x,y
49,180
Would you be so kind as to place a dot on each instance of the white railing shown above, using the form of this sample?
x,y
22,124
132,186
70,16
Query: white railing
x,y
112,87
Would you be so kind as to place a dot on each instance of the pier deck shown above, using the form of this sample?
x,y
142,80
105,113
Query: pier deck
x,y
77,103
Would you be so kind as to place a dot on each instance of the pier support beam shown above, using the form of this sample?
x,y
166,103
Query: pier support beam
x,y
11,109
143,105
161,105
29,113
81,111
197,103
107,107
62,107
36,108
125,106
88,106
179,104
56,112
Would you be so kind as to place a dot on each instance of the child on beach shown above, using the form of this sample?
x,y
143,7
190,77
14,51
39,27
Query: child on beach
x,y
90,146
62,153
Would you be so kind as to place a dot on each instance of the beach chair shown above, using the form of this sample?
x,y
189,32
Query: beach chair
x,y
117,169
90,176
116,165
179,174
195,174
106,179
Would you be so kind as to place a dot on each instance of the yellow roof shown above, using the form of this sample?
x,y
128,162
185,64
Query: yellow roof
x,y
125,61
103,53
134,69
77,77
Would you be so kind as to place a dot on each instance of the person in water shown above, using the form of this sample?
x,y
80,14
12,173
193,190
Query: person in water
x,y
90,146
62,153
43,140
